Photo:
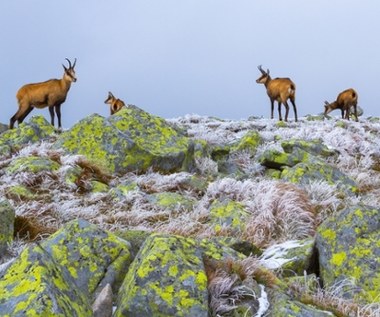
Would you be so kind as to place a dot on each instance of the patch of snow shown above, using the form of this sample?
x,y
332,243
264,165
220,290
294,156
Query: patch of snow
x,y
275,256
263,302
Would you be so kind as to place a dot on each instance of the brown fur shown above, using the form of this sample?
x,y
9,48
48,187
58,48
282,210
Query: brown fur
x,y
51,94
280,90
115,104
345,100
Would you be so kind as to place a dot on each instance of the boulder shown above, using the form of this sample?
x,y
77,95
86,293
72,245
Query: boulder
x,y
7,216
62,275
167,278
34,285
317,170
36,129
349,249
132,140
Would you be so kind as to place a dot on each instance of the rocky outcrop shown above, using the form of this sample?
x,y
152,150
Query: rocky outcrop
x,y
349,249
63,274
35,130
130,141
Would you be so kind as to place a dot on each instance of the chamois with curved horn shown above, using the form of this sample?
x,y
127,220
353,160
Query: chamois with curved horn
x,y
345,100
280,90
115,104
51,94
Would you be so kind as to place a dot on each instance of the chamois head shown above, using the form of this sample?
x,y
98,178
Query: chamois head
x,y
264,75
115,104
70,72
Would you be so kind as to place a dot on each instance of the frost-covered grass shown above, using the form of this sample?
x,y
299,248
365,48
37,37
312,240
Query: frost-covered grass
x,y
277,211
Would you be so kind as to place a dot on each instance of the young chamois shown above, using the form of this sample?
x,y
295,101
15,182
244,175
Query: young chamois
x,y
345,100
115,104
51,93
280,90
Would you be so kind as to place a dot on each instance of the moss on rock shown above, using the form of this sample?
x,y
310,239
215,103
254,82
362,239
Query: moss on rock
x,y
130,141
349,248
28,132
167,278
32,164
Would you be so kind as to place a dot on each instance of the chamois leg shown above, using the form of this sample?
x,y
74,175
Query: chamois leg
x,y
286,111
279,111
271,108
58,112
51,111
295,109
19,116
342,111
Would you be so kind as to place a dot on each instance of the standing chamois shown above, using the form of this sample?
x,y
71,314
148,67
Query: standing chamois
x,y
280,90
345,100
115,104
51,93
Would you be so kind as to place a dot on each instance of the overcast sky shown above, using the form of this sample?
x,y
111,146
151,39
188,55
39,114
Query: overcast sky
x,y
173,57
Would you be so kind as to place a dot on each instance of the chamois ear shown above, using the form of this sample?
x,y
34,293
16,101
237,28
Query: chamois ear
x,y
110,95
64,67
326,103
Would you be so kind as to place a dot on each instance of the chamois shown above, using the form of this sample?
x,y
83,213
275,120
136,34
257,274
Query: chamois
x,y
345,100
280,90
51,93
115,104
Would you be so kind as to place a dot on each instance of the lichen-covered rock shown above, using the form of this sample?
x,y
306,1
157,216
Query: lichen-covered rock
x,y
130,141
349,248
228,215
314,147
62,275
249,142
28,132
32,164
291,257
7,216
34,285
167,278
172,201
92,256
282,305
314,170
278,160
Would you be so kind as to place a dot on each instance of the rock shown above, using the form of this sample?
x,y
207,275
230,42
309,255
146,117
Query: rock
x,y
278,160
283,306
303,173
167,278
172,201
7,216
28,132
62,275
249,142
32,164
314,147
34,285
348,246
102,306
228,216
130,141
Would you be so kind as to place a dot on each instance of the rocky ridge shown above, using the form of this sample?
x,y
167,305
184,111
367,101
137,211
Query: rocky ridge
x,y
134,215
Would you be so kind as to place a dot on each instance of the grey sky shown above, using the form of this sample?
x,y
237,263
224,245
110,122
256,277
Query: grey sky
x,y
174,57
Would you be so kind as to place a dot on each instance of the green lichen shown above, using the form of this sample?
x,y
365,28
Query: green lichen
x,y
32,164
168,277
